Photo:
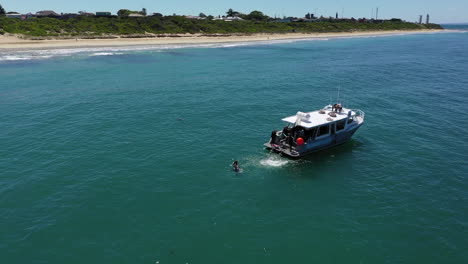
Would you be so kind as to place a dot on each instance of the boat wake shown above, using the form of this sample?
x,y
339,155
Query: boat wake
x,y
274,162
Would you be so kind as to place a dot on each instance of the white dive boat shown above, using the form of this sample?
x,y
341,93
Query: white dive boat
x,y
313,131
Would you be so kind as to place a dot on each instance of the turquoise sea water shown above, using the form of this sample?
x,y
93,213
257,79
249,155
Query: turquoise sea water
x,y
122,155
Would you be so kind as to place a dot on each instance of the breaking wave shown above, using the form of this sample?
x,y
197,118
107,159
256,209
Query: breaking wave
x,y
41,54
37,54
106,53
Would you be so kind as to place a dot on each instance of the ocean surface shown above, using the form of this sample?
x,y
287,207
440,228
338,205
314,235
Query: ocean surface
x,y
123,155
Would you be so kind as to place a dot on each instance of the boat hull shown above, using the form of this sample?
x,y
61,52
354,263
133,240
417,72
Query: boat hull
x,y
315,145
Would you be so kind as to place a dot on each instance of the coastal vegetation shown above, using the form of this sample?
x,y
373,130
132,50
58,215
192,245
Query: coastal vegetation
x,y
2,11
255,22
126,12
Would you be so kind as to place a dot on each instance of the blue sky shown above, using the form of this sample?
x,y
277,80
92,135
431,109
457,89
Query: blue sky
x,y
448,11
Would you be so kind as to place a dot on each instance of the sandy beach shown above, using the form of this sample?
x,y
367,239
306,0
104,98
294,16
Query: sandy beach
x,y
15,42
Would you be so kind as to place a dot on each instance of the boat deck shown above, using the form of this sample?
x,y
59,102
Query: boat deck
x,y
320,117
282,149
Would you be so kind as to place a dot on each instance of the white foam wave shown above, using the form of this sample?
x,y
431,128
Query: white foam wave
x,y
13,58
106,53
265,42
457,31
109,51
22,57
274,162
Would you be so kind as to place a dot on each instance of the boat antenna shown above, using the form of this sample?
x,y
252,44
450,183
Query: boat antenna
x,y
338,99
342,102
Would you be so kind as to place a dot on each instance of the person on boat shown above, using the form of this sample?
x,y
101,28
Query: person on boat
x,y
339,108
235,166
273,137
290,140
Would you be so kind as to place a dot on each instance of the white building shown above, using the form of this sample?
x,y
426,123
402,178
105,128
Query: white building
x,y
135,15
14,15
229,18
194,17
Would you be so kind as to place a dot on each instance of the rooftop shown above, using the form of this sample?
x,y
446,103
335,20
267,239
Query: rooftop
x,y
317,119
46,13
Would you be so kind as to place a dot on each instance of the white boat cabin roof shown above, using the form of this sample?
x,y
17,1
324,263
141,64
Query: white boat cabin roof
x,y
318,118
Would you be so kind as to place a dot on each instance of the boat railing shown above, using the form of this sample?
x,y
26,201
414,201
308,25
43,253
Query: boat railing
x,y
359,113
327,107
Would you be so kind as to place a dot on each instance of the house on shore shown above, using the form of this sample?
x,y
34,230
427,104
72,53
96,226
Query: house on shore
x,y
14,15
103,14
47,13
69,16
136,15
283,20
234,18
84,13
194,17
28,16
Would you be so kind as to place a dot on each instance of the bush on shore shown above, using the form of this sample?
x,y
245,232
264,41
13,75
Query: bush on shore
x,y
178,25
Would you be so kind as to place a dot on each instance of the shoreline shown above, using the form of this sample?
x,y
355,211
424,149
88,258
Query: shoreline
x,y
13,42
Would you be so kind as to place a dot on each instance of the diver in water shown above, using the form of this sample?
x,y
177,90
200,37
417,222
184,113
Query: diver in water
x,y
235,166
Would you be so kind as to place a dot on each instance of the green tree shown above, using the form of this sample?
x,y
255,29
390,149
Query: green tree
x,y
126,12
232,13
2,11
123,12
257,15
202,15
